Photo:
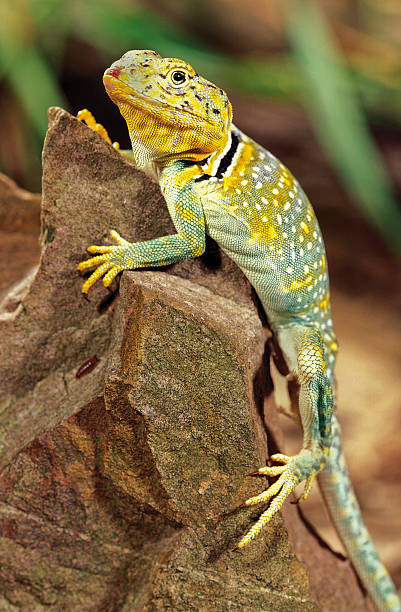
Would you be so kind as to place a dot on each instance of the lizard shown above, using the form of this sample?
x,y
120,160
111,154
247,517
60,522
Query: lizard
x,y
218,181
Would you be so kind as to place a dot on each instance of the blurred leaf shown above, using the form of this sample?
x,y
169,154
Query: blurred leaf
x,y
26,70
382,100
339,118
123,30
53,22
35,86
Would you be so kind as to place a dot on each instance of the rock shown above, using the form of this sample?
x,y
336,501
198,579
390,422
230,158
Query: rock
x,y
120,489
88,188
19,230
19,209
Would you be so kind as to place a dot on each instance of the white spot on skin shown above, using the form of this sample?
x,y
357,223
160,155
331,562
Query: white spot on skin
x,y
285,235
306,268
275,191
264,219
309,245
287,206
258,206
301,238
258,185
290,270
245,204
244,182
279,219
291,194
294,229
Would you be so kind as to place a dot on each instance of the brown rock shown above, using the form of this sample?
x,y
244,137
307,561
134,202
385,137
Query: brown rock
x,y
120,489
88,188
19,231
19,209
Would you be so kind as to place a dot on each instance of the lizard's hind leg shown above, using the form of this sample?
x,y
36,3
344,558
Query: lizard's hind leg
x,y
307,360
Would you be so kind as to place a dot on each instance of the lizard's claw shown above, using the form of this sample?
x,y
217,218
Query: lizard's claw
x,y
105,267
303,466
280,489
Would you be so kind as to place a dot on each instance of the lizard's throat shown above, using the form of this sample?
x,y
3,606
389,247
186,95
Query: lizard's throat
x,y
161,138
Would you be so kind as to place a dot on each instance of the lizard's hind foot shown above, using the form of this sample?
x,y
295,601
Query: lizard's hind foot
x,y
302,467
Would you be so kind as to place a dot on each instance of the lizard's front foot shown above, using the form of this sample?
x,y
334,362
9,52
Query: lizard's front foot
x,y
86,115
301,467
109,262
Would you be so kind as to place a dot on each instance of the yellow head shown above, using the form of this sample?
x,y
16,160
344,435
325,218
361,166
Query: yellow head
x,y
171,112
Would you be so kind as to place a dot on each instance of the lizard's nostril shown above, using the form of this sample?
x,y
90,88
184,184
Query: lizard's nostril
x,y
114,72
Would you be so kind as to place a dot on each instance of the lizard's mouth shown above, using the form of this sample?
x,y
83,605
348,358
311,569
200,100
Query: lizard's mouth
x,y
113,72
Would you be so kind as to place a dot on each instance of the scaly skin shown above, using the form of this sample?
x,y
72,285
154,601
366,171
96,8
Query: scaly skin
x,y
218,181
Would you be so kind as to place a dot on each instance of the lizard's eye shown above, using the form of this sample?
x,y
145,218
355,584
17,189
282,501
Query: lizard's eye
x,y
178,78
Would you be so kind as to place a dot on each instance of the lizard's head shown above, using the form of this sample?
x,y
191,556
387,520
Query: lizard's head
x,y
171,112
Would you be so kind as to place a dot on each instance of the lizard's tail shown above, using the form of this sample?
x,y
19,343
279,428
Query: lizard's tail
x,y
344,510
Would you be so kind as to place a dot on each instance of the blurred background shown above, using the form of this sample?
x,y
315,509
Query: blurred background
x,y
316,82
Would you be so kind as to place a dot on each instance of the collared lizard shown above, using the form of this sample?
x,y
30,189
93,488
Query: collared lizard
x,y
218,181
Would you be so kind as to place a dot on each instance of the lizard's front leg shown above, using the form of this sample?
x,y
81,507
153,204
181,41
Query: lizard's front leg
x,y
315,407
186,211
